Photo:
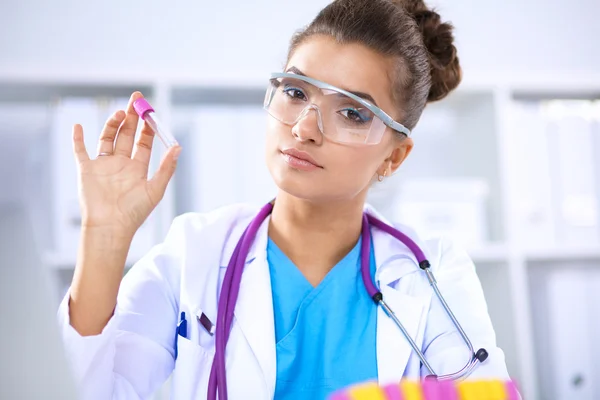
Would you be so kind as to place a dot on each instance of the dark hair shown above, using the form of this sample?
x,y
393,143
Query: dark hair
x,y
427,67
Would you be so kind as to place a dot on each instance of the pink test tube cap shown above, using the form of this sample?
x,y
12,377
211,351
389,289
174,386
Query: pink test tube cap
x,y
141,107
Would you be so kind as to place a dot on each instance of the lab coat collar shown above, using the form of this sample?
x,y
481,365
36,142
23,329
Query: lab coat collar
x,y
259,244
387,248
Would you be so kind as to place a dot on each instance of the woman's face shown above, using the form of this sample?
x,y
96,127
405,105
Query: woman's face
x,y
343,172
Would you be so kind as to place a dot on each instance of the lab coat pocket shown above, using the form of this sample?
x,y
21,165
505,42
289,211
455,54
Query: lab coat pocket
x,y
192,370
204,330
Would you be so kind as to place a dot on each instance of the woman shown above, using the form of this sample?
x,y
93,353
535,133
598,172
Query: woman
x,y
303,325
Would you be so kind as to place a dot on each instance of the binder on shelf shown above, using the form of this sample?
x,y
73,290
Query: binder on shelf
x,y
455,207
572,156
553,166
530,171
570,296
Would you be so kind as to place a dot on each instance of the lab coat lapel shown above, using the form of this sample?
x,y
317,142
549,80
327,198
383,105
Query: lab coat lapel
x,y
395,261
254,307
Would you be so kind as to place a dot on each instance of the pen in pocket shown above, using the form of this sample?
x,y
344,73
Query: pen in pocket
x,y
205,322
180,331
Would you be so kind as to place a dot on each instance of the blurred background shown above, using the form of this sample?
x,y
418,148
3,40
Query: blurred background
x,y
508,165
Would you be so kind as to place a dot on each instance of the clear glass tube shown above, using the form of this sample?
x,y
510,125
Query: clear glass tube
x,y
160,130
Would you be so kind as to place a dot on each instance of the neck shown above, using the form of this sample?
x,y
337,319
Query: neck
x,y
315,236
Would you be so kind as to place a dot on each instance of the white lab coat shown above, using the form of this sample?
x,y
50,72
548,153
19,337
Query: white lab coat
x,y
134,354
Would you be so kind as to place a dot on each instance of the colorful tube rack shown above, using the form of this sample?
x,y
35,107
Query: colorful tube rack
x,y
431,389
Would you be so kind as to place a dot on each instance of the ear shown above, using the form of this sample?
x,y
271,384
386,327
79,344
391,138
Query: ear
x,y
401,150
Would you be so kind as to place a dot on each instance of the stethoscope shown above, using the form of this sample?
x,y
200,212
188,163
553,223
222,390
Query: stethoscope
x,y
233,277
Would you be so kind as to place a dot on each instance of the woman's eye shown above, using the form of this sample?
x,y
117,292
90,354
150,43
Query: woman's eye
x,y
354,115
295,93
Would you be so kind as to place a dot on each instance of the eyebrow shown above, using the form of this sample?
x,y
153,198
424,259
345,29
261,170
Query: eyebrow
x,y
362,95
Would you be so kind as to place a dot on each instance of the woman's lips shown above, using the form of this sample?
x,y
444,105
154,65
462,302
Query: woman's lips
x,y
300,160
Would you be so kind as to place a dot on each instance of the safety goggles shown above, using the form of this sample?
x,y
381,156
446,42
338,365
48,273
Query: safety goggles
x,y
342,116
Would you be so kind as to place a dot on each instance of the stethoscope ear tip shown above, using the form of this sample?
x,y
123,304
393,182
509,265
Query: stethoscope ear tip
x,y
481,355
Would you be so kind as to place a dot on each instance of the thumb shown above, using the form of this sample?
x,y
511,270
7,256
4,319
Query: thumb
x,y
166,169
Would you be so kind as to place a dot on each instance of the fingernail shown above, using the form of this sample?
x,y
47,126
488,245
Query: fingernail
x,y
176,153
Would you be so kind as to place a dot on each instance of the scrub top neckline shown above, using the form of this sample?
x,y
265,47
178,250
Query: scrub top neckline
x,y
286,262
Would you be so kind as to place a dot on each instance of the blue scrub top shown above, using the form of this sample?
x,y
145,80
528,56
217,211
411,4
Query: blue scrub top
x,y
325,335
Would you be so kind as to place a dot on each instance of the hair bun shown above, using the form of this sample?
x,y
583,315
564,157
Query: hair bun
x,y
446,73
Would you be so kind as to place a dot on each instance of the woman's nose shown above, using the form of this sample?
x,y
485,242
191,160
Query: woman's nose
x,y
309,126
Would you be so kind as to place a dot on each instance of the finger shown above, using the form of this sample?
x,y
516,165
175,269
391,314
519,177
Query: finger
x,y
158,183
143,147
109,132
79,150
126,135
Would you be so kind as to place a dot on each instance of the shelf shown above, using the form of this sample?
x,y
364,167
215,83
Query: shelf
x,y
36,92
140,78
217,95
497,253
534,82
564,253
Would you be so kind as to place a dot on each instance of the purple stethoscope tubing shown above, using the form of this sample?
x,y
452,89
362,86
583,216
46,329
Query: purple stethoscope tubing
x,y
231,284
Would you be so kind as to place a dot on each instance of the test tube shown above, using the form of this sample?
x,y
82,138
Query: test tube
x,y
146,112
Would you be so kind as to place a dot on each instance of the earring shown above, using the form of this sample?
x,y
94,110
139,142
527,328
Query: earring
x,y
380,177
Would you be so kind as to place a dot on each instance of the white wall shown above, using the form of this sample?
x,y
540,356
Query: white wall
x,y
202,40
526,38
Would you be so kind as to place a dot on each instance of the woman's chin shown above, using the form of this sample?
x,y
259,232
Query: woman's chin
x,y
300,188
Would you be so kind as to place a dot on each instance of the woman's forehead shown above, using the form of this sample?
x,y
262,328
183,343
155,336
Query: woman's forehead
x,y
352,67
